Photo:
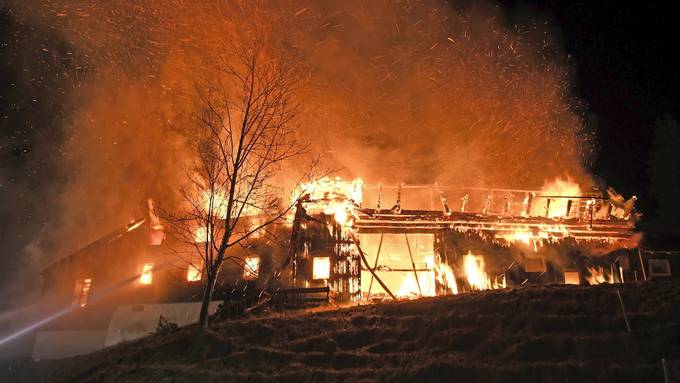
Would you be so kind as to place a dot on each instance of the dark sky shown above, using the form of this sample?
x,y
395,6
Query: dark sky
x,y
35,82
623,55
626,72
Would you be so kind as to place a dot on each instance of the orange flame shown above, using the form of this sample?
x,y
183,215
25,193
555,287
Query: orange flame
x,y
251,268
321,268
475,273
332,196
409,287
146,276
598,275
447,278
193,273
215,203
535,238
557,208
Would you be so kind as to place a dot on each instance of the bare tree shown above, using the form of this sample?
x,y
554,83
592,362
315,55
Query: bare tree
x,y
243,138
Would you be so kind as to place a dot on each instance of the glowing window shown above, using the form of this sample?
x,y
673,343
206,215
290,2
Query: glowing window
x,y
251,268
147,274
321,268
194,272
572,278
82,292
202,235
534,265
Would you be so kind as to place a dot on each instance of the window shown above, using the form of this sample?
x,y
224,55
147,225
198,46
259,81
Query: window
x,y
572,278
202,235
82,292
147,274
194,273
321,268
251,268
534,265
659,268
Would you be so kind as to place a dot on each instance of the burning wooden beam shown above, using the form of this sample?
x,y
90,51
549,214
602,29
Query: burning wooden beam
x,y
368,267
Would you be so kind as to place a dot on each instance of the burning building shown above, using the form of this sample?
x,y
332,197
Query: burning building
x,y
126,284
351,242
407,241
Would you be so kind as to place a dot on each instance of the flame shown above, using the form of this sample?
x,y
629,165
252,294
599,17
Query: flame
x,y
535,237
340,215
558,187
146,276
83,291
215,203
518,236
598,275
475,273
447,278
332,196
424,285
321,268
193,273
409,287
251,268
332,189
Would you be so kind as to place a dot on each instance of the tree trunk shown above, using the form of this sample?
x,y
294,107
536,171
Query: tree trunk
x,y
207,297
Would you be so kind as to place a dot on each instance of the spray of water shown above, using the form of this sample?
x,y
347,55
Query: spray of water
x,y
47,318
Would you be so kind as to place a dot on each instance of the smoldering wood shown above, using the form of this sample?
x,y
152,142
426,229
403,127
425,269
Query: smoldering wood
x,y
487,204
397,206
464,202
398,269
526,204
442,199
506,205
569,203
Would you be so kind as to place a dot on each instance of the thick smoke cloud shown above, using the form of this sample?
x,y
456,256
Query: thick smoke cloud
x,y
424,93
396,91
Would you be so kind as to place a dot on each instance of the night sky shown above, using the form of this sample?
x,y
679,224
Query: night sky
x,y
627,75
622,54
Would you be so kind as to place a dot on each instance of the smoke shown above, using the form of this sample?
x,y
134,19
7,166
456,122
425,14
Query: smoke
x,y
419,92
396,91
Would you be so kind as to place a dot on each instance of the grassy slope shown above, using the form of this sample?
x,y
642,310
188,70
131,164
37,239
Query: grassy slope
x,y
550,334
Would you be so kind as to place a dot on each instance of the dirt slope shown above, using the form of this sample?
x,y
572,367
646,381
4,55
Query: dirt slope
x,y
546,334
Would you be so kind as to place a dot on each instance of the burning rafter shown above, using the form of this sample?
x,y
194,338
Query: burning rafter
x,y
373,221
414,264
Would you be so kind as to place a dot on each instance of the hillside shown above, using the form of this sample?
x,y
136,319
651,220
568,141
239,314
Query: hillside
x,y
547,334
